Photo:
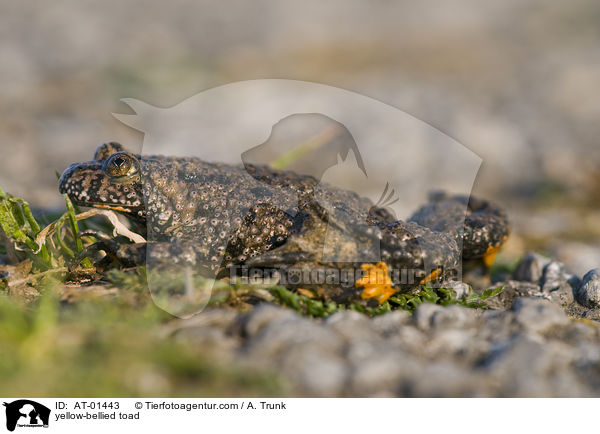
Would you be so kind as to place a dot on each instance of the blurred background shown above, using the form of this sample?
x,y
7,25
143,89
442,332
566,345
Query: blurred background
x,y
516,82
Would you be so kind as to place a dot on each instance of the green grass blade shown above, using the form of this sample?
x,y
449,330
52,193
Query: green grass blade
x,y
73,221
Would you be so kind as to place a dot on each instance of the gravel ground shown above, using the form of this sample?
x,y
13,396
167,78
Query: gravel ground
x,y
535,340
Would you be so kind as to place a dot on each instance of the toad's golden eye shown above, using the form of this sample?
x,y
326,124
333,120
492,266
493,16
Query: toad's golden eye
x,y
121,164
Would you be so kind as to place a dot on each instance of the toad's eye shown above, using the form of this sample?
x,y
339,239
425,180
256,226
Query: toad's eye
x,y
121,164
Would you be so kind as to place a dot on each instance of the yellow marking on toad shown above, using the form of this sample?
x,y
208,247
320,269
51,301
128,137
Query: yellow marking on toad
x,y
111,207
376,283
431,276
490,255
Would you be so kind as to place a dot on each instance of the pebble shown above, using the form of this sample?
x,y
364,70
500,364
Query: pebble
x,y
317,373
531,267
423,316
538,315
351,325
588,292
441,379
265,315
382,374
555,282
527,366
391,323
454,316
512,290
280,337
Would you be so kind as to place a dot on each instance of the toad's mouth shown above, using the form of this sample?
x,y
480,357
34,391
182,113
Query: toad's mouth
x,y
124,208
135,213
121,208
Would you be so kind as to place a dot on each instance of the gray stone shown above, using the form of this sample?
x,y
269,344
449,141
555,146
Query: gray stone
x,y
512,290
454,316
383,374
554,280
456,344
553,276
587,365
263,315
557,283
578,333
496,325
527,366
561,295
424,313
279,337
444,379
391,323
531,267
588,292
410,338
361,350
351,325
314,371
538,315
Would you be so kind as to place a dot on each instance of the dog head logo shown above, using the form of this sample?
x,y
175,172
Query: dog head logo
x,y
26,413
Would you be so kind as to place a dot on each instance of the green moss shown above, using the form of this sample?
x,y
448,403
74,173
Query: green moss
x,y
403,301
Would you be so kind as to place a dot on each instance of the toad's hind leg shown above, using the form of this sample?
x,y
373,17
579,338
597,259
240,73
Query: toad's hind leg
x,y
479,226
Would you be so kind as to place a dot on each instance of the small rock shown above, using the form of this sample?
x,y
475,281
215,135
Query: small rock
x,y
359,351
579,333
588,293
538,315
410,338
461,288
317,373
552,277
531,267
526,366
558,284
263,315
383,373
391,323
423,315
351,325
512,290
496,325
586,364
277,338
443,379
460,345
454,316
